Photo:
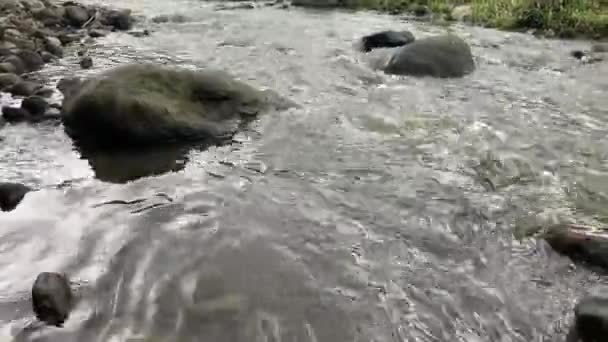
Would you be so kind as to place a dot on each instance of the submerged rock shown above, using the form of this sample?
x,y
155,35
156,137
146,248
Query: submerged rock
x,y
14,114
24,88
52,298
11,194
86,62
147,104
440,56
35,105
580,242
591,317
386,39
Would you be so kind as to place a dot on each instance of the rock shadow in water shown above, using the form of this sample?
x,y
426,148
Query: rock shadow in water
x,y
122,166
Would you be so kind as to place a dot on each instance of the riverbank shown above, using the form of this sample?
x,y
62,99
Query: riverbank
x,y
552,18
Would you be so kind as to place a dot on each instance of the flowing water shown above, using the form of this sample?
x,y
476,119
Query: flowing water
x,y
384,209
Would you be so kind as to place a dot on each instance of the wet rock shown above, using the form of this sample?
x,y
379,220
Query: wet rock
x,y
12,35
18,67
69,85
35,105
386,39
54,46
24,88
9,68
11,194
440,56
462,13
97,33
44,92
50,16
585,243
599,47
149,104
31,60
578,54
47,56
591,317
317,3
14,114
86,62
8,79
66,37
119,19
174,18
140,34
52,298
76,15
10,5
8,46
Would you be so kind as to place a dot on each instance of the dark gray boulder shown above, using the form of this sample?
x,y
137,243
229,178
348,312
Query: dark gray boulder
x,y
76,15
439,56
35,105
31,60
591,317
14,114
386,39
11,194
148,104
52,298
16,62
86,62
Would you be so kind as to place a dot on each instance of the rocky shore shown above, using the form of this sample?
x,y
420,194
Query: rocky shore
x,y
33,33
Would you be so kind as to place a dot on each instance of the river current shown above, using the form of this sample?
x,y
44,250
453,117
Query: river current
x,y
386,208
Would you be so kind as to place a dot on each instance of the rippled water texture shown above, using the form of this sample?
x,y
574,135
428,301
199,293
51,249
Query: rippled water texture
x,y
382,210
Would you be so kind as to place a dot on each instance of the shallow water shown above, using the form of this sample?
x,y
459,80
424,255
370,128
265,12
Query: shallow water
x,y
382,210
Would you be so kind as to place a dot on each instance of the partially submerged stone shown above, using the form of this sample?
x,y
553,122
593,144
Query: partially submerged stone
x,y
580,242
52,298
591,317
142,104
386,39
439,56
11,194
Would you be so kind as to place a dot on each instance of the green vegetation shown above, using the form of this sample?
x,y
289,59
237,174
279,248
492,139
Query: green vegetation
x,y
564,18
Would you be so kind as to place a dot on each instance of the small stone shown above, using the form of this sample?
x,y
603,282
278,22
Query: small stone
x,y
8,79
18,65
8,68
54,46
76,15
86,62
44,92
97,33
14,114
119,19
52,298
140,34
31,60
11,194
35,105
47,56
24,88
578,54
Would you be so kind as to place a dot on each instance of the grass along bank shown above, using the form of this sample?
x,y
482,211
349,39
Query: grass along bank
x,y
563,18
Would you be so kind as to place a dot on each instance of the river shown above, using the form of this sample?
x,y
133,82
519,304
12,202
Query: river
x,y
384,209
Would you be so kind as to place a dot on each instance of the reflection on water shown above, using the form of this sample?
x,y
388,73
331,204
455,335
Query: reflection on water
x,y
121,166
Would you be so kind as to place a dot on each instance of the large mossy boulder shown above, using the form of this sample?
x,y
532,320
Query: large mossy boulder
x,y
439,56
143,104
